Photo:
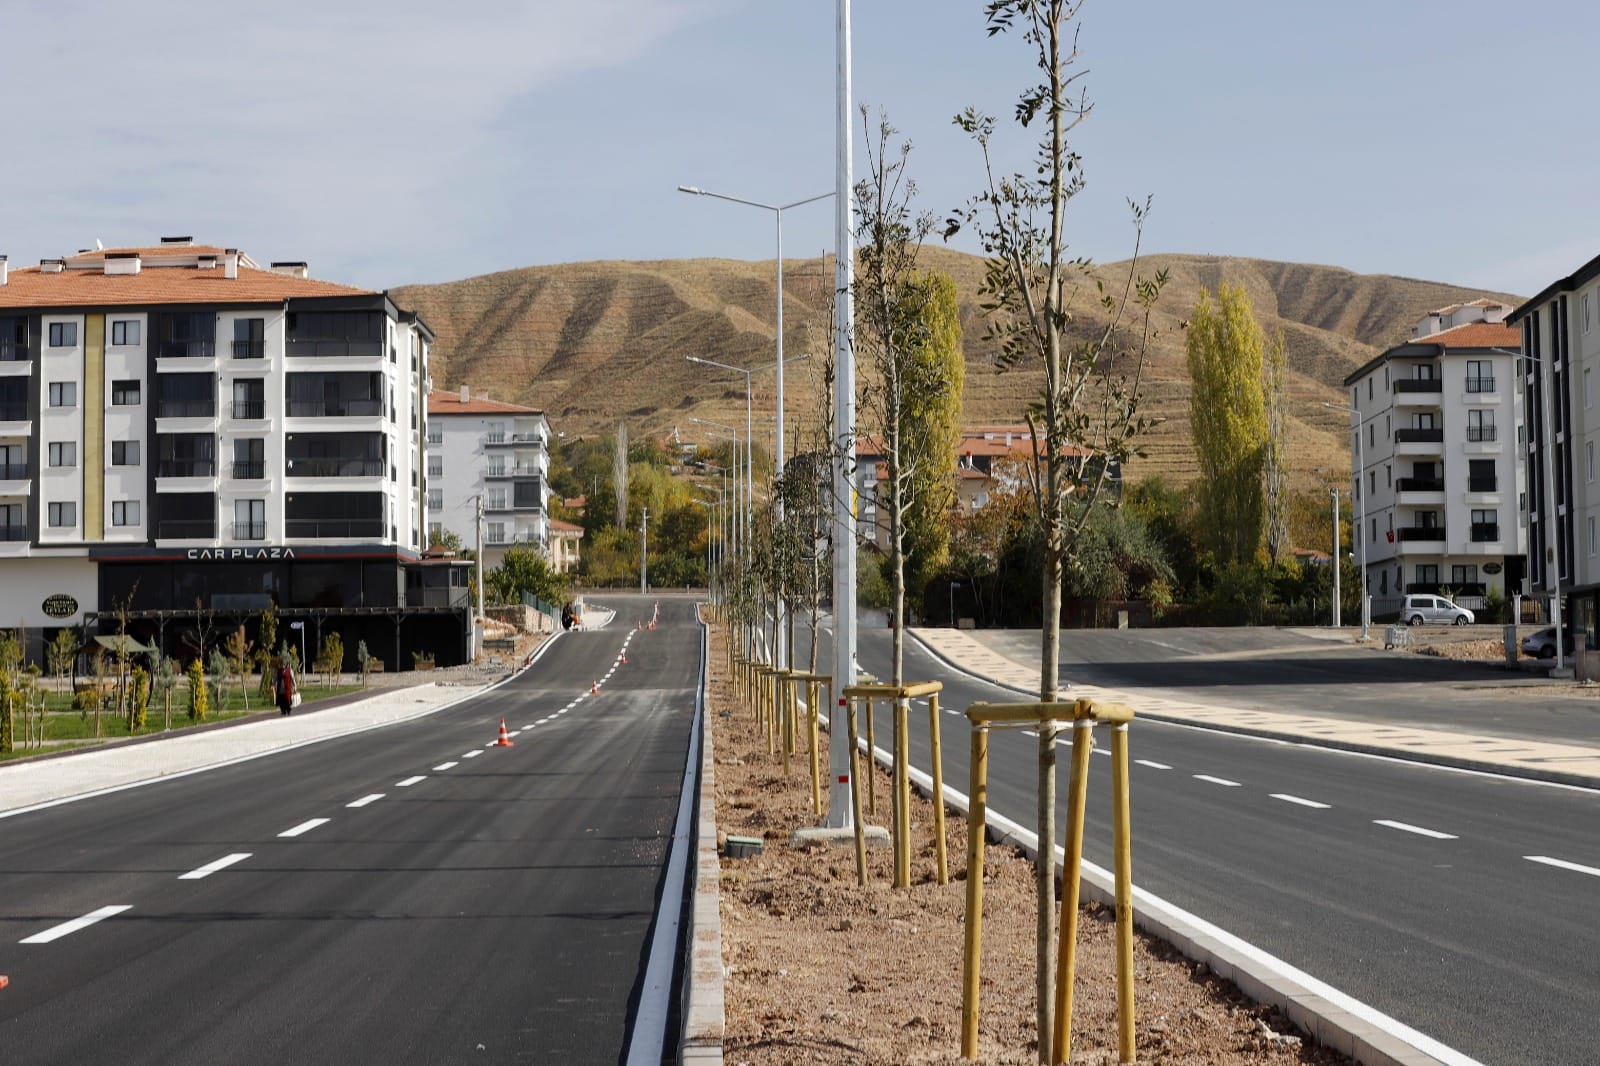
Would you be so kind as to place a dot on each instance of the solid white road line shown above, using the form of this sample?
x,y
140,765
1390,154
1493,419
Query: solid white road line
x,y
66,928
307,826
1563,864
364,800
1417,829
1302,802
473,754
1215,780
212,867
1153,765
408,782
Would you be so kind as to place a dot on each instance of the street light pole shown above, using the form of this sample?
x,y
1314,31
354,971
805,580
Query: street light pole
x,y
1336,605
644,541
1361,520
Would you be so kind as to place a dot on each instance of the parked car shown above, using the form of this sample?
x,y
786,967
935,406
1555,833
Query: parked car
x,y
1542,645
1419,609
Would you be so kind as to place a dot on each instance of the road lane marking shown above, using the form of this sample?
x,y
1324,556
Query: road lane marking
x,y
364,800
307,826
1417,829
1302,802
442,767
514,733
1216,780
1564,865
1153,765
1102,751
473,754
408,782
67,928
212,867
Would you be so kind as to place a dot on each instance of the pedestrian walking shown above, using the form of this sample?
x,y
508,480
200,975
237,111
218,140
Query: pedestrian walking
x,y
288,694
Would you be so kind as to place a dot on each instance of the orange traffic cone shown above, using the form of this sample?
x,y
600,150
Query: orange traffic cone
x,y
504,741
624,661
4,980
594,688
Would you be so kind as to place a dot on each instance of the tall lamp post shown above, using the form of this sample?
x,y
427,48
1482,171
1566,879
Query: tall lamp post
x,y
1361,520
1547,518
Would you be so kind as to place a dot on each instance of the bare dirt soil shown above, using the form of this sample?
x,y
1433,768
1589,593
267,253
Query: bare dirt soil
x,y
820,970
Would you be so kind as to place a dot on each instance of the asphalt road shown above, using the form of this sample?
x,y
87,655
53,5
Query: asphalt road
x,y
405,895
1406,886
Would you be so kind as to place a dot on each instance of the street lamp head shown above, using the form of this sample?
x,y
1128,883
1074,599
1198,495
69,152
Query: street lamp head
x,y
691,190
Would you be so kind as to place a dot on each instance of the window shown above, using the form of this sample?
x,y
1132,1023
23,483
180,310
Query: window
x,y
435,531
124,512
1372,435
249,519
1480,375
1591,537
63,515
1588,455
1372,481
1388,476
1588,393
249,399
495,500
1369,388
63,394
497,467
249,458
1374,529
1481,476
435,466
124,453
494,532
1485,526
435,435
1427,573
1463,575
1428,519
496,433
249,338
1586,327
436,499
63,453
63,334
1480,426
125,394
125,332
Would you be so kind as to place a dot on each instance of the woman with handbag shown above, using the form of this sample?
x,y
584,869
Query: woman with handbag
x,y
288,696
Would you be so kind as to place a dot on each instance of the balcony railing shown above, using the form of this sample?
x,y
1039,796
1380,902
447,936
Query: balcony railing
x,y
1419,436
249,469
1419,484
1482,484
335,468
13,412
184,349
13,471
527,438
13,533
249,410
249,349
1480,384
1419,533
186,468
186,529
318,349
1482,433
331,528
1418,385
494,438
12,352
186,408
1485,532
435,436
249,531
335,408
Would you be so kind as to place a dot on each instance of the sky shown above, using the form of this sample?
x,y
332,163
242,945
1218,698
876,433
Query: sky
x,y
404,142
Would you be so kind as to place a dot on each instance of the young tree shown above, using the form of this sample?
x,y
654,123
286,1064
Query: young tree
x,y
239,656
59,654
1276,463
266,637
1228,419
199,703
1088,414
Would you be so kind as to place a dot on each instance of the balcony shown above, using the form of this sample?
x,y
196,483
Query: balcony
x,y
171,349
1477,434
1483,484
186,468
296,348
248,410
1419,484
249,349
1419,436
335,408
335,468
1480,384
248,531
12,352
14,412
13,471
13,533
249,469
1418,385
333,528
186,529
1484,532
1416,533
186,408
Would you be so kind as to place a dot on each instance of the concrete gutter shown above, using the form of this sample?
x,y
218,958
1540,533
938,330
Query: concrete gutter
x,y
704,1009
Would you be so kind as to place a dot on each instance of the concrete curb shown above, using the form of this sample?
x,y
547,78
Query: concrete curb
x,y
705,1011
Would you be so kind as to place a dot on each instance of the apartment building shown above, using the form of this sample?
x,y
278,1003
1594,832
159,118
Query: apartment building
x,y
479,448
1560,333
1436,460
191,436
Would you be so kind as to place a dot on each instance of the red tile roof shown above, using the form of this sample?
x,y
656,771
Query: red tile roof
x,y
450,403
558,526
1476,335
31,287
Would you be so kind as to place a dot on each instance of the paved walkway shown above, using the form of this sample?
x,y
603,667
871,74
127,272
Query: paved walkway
x,y
1566,763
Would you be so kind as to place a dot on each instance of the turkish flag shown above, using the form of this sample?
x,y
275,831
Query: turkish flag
x,y
1391,536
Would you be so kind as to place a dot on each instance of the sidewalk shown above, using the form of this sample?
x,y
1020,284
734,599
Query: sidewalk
x,y
1563,763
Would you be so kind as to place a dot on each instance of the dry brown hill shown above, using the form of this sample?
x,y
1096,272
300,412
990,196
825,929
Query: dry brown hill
x,y
591,343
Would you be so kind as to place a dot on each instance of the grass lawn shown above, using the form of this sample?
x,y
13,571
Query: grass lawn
x,y
66,727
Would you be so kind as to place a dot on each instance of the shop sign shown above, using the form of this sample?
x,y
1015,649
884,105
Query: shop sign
x,y
60,606
231,554
1491,568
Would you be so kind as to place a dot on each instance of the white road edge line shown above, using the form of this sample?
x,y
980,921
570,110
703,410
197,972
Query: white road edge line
x,y
408,782
1417,829
1563,864
1302,802
364,800
212,867
1216,780
1153,765
66,928
306,826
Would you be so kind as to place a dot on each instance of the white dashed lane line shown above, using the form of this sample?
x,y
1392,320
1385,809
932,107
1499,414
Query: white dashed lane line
x,y
1302,802
364,800
1564,865
442,767
307,826
212,867
67,928
473,754
1153,765
1417,829
408,782
1216,780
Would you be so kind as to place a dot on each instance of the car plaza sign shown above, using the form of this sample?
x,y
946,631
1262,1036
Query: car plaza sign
x,y
233,554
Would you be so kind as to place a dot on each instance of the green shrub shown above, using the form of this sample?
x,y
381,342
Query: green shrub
x,y
199,704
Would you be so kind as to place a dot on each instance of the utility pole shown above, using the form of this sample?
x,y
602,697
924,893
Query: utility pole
x,y
644,540
483,606
1336,559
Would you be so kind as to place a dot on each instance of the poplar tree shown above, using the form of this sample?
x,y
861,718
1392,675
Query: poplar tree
x,y
1228,420
1276,466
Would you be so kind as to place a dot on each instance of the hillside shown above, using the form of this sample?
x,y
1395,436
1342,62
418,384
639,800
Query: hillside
x,y
591,343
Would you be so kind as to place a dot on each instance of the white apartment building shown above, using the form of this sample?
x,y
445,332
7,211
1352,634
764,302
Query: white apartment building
x,y
1560,331
1437,462
182,430
480,448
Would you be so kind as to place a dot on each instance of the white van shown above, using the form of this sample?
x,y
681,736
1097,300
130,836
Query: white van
x,y
1435,609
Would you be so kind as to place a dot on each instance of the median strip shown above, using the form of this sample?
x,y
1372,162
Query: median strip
x,y
212,867
68,928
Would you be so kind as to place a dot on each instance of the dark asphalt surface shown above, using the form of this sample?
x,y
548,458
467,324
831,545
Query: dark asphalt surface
x,y
495,912
1463,939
